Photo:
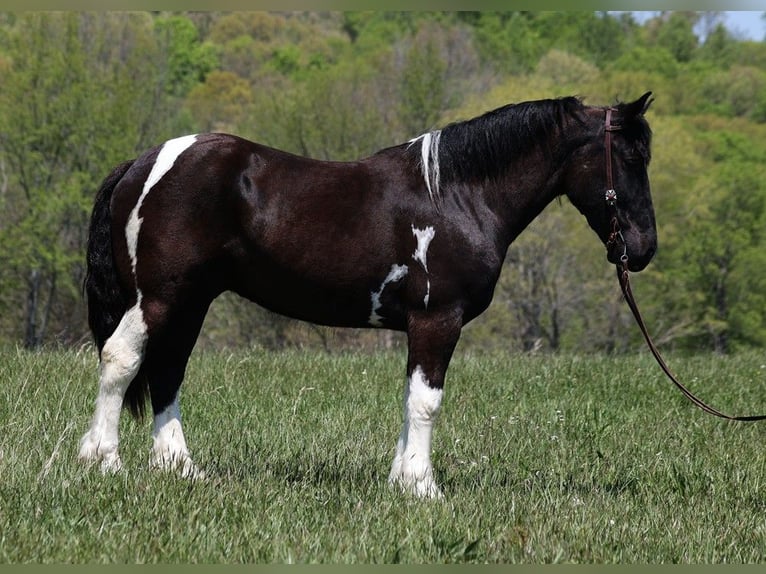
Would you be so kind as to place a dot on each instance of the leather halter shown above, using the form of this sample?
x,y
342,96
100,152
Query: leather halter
x,y
615,234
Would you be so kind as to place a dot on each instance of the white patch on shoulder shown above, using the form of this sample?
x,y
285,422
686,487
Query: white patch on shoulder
x,y
165,160
396,273
424,237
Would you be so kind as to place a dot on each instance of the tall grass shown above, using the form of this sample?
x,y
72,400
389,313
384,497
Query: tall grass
x,y
541,458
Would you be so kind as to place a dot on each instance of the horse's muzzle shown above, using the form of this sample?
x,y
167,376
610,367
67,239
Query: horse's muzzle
x,y
638,250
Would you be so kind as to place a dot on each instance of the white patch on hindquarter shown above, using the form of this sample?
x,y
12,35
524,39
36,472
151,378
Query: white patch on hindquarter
x,y
412,469
165,160
396,274
429,160
424,237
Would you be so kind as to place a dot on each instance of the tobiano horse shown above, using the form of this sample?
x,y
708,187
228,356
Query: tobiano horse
x,y
411,238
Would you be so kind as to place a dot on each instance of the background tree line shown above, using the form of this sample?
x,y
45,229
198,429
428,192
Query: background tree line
x,y
80,92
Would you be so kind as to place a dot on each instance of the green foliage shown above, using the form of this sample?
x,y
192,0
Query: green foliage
x,y
508,41
677,36
708,275
188,60
72,104
82,91
423,84
655,59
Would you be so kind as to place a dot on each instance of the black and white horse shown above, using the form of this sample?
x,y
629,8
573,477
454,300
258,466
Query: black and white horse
x,y
411,238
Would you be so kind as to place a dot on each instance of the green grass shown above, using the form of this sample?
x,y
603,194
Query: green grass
x,y
541,459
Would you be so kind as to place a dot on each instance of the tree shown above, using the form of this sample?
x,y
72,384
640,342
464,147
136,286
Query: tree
x,y
187,59
676,35
423,83
722,247
76,99
222,103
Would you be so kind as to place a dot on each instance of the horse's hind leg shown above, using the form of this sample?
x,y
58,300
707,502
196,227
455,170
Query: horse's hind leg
x,y
167,356
121,359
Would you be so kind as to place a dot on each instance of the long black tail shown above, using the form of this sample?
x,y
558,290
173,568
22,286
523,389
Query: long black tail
x,y
106,301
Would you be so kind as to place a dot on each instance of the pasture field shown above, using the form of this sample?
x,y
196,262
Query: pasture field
x,y
542,458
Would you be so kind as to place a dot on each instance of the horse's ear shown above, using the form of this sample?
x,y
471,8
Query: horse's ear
x,y
639,107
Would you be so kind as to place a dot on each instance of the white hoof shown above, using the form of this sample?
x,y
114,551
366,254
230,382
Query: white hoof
x,y
92,451
423,487
179,463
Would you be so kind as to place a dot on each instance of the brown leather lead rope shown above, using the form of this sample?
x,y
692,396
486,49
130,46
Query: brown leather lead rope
x,y
622,276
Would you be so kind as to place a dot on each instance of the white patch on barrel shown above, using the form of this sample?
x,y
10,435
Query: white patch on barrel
x,y
424,237
165,160
396,274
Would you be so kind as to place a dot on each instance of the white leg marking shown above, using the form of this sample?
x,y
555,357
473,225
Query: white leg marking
x,y
412,469
424,237
169,451
165,160
120,360
396,274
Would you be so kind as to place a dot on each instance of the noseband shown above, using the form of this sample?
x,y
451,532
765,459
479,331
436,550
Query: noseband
x,y
615,234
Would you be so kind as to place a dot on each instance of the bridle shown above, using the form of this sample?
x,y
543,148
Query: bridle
x,y
615,235
610,195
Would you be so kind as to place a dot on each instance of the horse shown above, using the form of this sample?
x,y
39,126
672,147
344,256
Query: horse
x,y
411,238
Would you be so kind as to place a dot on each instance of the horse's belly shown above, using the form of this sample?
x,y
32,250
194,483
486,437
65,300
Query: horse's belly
x,y
338,305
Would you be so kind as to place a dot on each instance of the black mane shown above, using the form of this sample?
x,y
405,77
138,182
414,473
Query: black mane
x,y
479,148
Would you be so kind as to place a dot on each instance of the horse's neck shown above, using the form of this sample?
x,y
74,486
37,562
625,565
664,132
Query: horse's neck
x,y
522,193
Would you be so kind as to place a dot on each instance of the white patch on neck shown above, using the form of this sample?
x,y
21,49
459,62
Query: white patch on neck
x,y
429,160
165,160
424,237
396,274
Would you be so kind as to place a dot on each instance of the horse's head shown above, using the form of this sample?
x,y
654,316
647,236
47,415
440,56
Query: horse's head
x,y
608,183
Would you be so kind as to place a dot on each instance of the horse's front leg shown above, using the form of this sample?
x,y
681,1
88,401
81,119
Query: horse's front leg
x,y
431,341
